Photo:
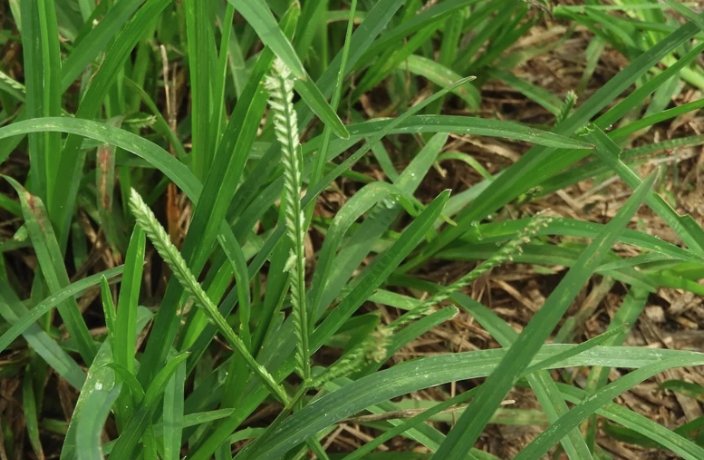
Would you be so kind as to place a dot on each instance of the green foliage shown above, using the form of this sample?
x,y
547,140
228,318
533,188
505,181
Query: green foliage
x,y
270,105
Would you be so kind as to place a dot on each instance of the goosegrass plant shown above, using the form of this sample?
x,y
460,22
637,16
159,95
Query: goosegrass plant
x,y
265,104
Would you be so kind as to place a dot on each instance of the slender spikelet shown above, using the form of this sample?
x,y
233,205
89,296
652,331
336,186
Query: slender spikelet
x,y
567,106
280,86
505,254
160,239
373,349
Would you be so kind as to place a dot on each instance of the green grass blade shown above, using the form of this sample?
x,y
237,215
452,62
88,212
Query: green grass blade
x,y
100,378
360,203
322,155
173,414
11,309
537,94
262,21
127,377
610,154
21,325
640,424
90,426
582,347
126,320
395,34
471,424
376,20
541,382
393,59
572,419
219,80
108,309
467,125
441,76
687,13
312,14
34,83
96,41
367,283
176,171
234,254
315,100
30,409
51,72
137,425
409,424
427,372
381,268
198,31
53,269
502,231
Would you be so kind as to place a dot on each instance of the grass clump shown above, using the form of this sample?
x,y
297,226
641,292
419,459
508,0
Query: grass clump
x,y
521,166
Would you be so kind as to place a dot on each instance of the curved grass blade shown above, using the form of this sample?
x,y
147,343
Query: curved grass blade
x,y
100,379
90,425
379,271
427,372
128,378
501,231
361,202
465,125
442,76
53,269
